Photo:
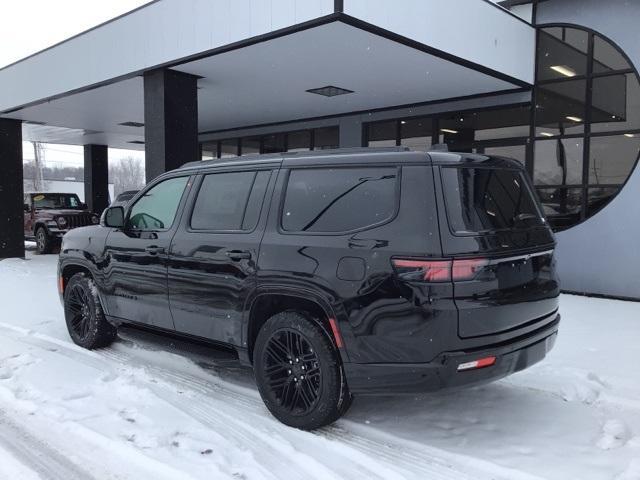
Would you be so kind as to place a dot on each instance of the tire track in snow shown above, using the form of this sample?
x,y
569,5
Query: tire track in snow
x,y
36,454
198,395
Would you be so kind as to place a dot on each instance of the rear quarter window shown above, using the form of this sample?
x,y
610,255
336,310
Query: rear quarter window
x,y
333,200
485,200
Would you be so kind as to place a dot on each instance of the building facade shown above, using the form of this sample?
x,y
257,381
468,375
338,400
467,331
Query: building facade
x,y
551,83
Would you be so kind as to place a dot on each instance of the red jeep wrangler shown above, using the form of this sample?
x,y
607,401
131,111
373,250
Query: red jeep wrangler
x,y
48,216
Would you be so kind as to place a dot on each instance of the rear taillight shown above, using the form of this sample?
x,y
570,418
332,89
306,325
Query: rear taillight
x,y
438,270
467,268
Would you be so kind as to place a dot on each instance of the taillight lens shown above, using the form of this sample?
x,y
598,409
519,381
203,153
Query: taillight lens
x,y
425,270
439,270
467,268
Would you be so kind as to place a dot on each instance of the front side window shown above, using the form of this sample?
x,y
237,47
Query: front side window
x,y
333,200
230,201
157,208
488,199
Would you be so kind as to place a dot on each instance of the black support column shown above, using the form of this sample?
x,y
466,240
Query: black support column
x,y
96,177
11,189
171,121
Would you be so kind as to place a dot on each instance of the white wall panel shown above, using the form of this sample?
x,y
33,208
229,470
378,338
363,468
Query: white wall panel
x,y
470,29
158,33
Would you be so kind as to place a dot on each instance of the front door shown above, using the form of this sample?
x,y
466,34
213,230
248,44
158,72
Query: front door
x,y
136,256
213,258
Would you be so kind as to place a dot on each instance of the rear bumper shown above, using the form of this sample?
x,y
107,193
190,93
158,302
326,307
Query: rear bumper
x,y
442,373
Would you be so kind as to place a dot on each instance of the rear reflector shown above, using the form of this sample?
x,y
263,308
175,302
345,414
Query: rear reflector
x,y
483,362
439,270
60,284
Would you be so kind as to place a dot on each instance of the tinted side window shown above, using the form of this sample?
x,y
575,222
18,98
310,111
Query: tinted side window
x,y
488,199
230,201
338,199
156,209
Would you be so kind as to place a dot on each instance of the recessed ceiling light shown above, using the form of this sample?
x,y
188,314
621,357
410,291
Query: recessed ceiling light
x,y
132,124
563,70
546,134
573,119
403,122
330,91
630,135
448,130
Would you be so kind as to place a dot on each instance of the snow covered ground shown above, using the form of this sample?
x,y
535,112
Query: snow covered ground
x,y
155,410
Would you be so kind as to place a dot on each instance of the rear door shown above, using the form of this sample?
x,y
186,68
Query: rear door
x,y
212,261
493,227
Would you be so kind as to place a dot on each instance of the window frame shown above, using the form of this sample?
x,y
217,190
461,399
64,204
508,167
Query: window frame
x,y
285,185
179,209
199,182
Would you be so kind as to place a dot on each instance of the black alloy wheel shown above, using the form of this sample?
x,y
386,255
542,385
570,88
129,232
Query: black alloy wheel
x,y
44,242
86,322
298,371
292,371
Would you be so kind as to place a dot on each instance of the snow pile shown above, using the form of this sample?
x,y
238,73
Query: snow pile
x,y
152,409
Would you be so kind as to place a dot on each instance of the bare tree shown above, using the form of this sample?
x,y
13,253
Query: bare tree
x,y
38,177
126,174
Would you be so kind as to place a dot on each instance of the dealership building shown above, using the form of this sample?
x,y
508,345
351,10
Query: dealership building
x,y
551,83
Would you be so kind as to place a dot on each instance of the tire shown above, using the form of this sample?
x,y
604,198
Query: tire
x,y
289,345
44,242
84,316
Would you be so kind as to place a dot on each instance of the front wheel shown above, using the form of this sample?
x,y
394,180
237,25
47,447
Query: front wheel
x,y
44,242
83,313
298,372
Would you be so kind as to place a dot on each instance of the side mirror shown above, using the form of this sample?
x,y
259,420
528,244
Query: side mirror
x,y
113,217
83,206
27,208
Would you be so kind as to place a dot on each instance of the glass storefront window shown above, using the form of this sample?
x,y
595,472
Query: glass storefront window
x,y
273,143
416,133
616,103
598,198
209,150
558,162
606,57
611,158
249,145
562,206
325,138
560,108
517,152
229,148
383,134
562,53
299,141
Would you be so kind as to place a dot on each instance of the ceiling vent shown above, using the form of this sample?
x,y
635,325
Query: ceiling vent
x,y
330,91
132,124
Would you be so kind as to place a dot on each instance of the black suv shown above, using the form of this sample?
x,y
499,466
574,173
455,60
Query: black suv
x,y
332,273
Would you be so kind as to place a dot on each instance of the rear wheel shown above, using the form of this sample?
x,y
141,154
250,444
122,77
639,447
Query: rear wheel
x,y
83,313
44,242
298,372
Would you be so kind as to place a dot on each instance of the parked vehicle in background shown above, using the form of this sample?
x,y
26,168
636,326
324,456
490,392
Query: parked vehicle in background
x,y
48,216
331,273
123,198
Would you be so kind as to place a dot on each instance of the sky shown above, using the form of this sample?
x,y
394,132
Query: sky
x,y
28,26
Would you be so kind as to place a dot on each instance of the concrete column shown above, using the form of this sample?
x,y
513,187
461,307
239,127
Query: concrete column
x,y
171,121
11,189
96,177
350,132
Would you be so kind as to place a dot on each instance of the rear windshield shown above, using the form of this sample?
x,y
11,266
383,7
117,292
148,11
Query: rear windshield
x,y
484,200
